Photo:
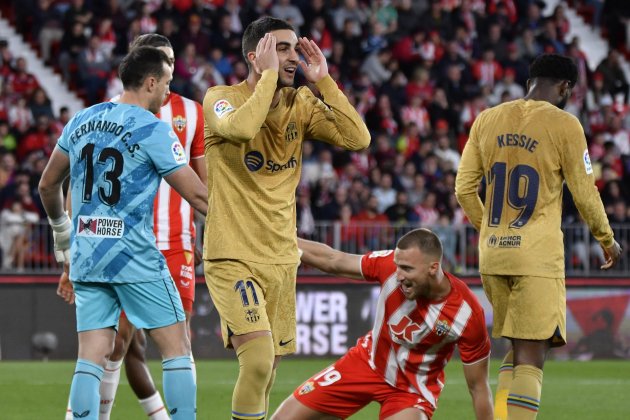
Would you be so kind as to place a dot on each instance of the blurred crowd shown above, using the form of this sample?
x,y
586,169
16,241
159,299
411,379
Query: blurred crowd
x,y
418,71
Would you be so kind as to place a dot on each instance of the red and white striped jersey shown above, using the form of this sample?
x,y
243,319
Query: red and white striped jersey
x,y
173,222
412,341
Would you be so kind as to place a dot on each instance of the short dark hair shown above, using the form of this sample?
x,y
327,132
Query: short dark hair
x,y
423,239
554,67
256,30
150,40
140,63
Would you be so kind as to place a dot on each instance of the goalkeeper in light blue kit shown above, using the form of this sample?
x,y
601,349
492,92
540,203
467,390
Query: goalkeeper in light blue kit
x,y
116,155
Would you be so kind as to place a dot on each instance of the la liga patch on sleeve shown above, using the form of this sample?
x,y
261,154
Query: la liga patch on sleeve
x,y
178,152
587,163
222,107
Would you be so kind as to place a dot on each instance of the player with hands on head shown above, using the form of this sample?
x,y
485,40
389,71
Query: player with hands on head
x,y
115,155
254,133
527,149
422,314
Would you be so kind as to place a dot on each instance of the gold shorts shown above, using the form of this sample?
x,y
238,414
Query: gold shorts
x,y
254,297
528,308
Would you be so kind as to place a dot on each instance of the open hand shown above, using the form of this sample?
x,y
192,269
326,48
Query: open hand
x,y
315,67
266,54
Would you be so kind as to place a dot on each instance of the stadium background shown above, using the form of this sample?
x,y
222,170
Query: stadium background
x,y
419,72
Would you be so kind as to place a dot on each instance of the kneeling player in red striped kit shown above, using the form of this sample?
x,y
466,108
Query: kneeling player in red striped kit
x,y
422,314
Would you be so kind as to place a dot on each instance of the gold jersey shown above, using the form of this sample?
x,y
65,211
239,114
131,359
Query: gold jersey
x,y
526,149
254,160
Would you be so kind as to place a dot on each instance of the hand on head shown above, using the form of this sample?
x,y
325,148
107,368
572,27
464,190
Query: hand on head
x,y
266,54
315,67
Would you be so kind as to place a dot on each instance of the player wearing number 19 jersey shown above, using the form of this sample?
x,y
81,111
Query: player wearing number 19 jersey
x,y
527,149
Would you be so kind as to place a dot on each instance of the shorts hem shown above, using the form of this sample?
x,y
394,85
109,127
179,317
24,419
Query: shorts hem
x,y
317,408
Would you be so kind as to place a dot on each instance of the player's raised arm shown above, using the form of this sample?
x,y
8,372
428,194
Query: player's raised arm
x,y
335,120
578,173
241,124
329,260
476,375
186,182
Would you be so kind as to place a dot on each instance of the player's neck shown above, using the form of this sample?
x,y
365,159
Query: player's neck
x,y
441,286
537,94
133,98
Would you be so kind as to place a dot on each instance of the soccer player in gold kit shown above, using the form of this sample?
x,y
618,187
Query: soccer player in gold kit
x,y
253,138
527,149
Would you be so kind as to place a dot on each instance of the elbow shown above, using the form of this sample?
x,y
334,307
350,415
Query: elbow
x,y
459,195
361,142
242,136
45,187
462,192
364,142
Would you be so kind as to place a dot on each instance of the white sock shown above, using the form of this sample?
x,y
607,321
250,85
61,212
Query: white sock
x,y
69,412
154,407
109,385
194,368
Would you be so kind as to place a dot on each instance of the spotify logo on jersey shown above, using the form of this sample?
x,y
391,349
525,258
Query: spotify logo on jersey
x,y
254,160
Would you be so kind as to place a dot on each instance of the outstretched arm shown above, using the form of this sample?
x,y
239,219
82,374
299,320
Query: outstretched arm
x,y
330,260
476,375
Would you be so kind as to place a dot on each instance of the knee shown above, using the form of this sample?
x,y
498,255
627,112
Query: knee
x,y
256,358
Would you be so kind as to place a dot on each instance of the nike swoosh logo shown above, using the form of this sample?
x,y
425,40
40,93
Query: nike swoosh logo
x,y
284,343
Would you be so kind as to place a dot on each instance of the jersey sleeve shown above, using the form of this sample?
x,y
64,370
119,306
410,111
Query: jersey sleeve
x,y
197,145
578,173
334,120
167,155
378,266
469,176
239,124
63,142
474,343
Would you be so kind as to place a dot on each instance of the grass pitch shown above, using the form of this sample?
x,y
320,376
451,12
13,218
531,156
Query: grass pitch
x,y
571,390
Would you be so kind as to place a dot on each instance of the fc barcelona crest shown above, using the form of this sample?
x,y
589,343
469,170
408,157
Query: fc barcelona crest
x,y
179,123
251,315
291,133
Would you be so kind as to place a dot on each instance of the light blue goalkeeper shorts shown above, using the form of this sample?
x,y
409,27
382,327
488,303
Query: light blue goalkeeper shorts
x,y
147,305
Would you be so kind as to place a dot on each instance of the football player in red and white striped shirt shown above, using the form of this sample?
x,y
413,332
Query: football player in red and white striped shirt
x,y
422,314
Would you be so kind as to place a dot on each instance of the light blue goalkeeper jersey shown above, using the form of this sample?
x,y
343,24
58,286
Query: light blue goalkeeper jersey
x,y
118,155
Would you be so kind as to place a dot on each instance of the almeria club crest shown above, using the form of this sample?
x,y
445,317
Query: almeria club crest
x,y
179,123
